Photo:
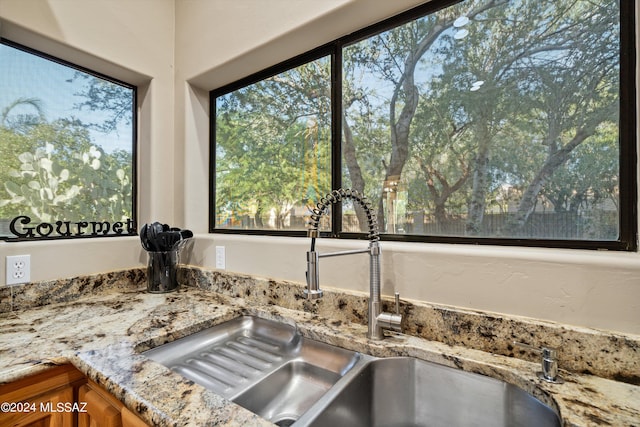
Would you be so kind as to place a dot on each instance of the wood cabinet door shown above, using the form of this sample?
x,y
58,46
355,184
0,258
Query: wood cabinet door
x,y
42,411
62,397
129,419
99,411
41,400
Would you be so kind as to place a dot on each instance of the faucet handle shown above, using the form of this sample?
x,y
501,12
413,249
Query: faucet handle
x,y
391,321
549,362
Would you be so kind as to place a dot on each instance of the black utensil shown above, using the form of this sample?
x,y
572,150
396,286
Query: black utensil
x,y
186,234
152,232
143,237
167,240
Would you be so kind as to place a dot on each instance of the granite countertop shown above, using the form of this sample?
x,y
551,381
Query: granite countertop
x,y
104,334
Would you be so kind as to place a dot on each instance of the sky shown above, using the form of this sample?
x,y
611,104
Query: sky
x,y
24,75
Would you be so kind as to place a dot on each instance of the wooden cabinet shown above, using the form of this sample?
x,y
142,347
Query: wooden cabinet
x,y
62,397
100,411
40,412
39,401
129,419
104,410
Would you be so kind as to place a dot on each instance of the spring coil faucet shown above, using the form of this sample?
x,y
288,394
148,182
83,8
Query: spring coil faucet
x,y
337,196
378,320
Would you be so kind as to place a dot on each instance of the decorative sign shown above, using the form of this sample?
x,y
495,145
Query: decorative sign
x,y
68,228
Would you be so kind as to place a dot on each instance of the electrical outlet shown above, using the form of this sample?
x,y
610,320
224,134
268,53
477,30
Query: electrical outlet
x,y
220,257
18,269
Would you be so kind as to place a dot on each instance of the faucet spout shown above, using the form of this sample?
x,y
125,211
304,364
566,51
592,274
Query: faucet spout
x,y
378,320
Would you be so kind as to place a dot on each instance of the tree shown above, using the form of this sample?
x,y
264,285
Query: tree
x,y
491,84
24,120
580,90
61,175
103,96
52,168
273,144
365,134
481,107
393,56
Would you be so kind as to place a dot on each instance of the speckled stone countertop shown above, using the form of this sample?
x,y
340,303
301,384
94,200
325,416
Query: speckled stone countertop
x,y
102,323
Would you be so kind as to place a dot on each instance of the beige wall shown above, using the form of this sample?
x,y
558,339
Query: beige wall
x,y
129,40
177,53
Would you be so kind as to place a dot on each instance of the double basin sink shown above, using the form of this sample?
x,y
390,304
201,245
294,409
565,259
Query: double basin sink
x,y
269,368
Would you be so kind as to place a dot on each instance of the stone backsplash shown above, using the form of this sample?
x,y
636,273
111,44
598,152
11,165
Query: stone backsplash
x,y
583,350
603,353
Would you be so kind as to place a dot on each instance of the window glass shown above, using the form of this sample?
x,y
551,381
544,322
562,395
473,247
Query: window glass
x,y
488,119
273,149
66,148
499,122
495,119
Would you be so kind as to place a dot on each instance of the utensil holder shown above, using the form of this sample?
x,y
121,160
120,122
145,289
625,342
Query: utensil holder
x,y
162,272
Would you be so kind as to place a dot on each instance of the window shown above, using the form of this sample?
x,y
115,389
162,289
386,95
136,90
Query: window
x,y
273,149
67,138
487,122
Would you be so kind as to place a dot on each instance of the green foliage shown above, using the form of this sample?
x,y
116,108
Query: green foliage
x,y
273,147
50,169
507,114
39,185
107,189
59,175
98,188
512,112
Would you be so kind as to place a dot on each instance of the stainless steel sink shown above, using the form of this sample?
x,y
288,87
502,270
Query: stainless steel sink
x,y
288,392
263,365
270,369
411,392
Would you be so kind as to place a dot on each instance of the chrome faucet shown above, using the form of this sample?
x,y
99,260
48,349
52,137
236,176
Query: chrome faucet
x,y
378,320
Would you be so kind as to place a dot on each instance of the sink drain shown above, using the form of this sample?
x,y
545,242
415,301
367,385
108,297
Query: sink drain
x,y
285,422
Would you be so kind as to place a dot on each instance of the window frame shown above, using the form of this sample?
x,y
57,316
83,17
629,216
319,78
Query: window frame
x,y
628,212
312,55
134,143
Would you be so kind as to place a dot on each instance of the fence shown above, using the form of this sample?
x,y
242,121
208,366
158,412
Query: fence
x,y
596,225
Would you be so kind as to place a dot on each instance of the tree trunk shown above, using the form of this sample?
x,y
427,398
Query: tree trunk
x,y
258,218
355,173
400,125
555,159
480,179
442,195
400,132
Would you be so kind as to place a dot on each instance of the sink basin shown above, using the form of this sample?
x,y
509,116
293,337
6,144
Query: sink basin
x,y
288,392
263,365
273,371
412,392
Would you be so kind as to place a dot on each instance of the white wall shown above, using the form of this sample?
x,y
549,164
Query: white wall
x,y
595,289
583,288
129,40
180,52
134,42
